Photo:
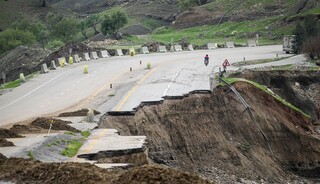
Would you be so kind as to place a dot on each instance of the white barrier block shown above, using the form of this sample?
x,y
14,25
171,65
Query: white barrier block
x,y
53,65
229,44
178,48
86,57
144,50
251,43
119,52
212,46
94,55
44,68
105,54
76,58
162,48
190,47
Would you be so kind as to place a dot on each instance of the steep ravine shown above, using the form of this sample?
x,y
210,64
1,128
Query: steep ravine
x,y
202,132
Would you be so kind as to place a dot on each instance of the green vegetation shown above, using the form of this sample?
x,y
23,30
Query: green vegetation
x,y
268,91
260,61
72,148
186,4
235,31
245,146
111,24
308,37
70,133
17,82
86,133
30,155
74,145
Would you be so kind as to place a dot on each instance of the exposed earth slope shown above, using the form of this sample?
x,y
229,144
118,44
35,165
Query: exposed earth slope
x,y
205,133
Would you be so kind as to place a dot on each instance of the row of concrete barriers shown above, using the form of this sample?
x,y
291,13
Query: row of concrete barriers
x,y
210,46
64,61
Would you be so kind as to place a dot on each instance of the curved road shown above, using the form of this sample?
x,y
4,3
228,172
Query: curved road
x,y
69,89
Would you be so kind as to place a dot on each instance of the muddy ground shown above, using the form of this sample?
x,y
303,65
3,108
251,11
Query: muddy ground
x,y
82,112
208,134
30,171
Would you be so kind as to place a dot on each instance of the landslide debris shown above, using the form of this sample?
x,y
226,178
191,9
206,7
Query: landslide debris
x,y
207,133
299,87
57,124
5,143
22,59
82,112
154,174
5,133
29,171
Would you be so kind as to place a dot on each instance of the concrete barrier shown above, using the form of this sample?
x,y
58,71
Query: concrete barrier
x,y
44,68
94,55
251,43
105,54
119,52
144,50
178,48
230,45
211,46
190,47
162,48
76,58
62,61
86,56
53,65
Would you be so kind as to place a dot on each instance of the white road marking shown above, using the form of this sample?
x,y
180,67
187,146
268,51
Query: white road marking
x,y
33,90
172,80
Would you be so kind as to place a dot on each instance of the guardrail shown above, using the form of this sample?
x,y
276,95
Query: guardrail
x,y
247,109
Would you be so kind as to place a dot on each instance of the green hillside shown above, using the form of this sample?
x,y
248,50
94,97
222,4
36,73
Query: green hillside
x,y
161,20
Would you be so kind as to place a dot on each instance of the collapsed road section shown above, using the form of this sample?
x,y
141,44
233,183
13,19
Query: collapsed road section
x,y
209,134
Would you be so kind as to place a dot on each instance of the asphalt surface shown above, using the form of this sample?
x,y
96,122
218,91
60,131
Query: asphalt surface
x,y
170,74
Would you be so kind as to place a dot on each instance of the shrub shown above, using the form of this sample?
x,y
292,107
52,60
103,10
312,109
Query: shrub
x,y
311,47
12,38
55,44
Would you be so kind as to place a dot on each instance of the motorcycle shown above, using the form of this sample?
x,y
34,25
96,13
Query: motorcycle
x,y
206,62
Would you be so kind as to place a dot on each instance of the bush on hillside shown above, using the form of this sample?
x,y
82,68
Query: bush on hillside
x,y
55,44
312,47
111,25
12,38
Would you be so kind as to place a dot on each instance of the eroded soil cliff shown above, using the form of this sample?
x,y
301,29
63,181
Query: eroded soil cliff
x,y
205,132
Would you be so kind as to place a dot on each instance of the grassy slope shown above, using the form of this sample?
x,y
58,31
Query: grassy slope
x,y
270,32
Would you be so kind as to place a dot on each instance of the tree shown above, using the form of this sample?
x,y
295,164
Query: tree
x,y
33,27
63,28
83,28
111,25
12,38
301,36
93,21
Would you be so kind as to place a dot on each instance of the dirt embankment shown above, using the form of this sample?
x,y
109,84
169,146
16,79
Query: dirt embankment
x,y
300,88
82,112
29,171
205,132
